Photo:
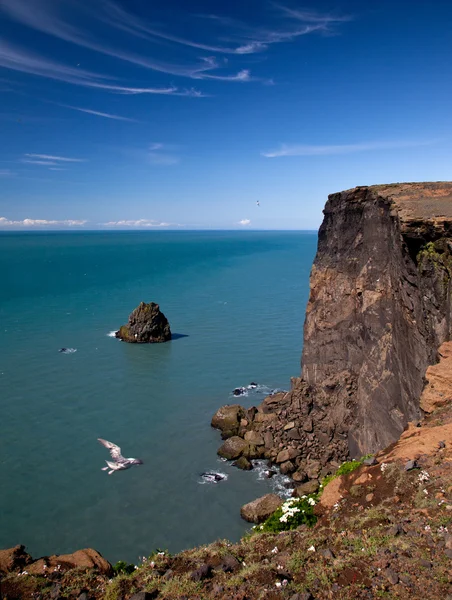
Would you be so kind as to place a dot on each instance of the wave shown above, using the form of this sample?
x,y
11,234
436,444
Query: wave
x,y
279,482
67,350
111,334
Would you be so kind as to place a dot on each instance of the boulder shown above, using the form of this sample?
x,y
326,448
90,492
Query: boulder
x,y
233,448
14,559
147,324
254,438
227,418
243,463
81,559
287,467
259,510
310,487
299,476
287,454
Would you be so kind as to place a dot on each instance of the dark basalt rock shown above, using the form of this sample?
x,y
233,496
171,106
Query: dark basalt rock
x,y
147,325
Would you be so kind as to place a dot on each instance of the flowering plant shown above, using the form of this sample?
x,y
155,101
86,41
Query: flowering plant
x,y
291,514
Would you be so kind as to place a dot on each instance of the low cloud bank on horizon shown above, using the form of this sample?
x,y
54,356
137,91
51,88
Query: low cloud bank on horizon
x,y
4,222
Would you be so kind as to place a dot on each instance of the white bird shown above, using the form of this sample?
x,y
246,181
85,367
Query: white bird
x,y
119,462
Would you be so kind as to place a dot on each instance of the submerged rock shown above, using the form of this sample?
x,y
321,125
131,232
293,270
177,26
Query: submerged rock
x,y
147,325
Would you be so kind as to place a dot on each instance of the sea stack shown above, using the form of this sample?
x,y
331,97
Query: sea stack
x,y
147,325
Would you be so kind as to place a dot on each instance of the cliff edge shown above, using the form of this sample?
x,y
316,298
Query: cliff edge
x,y
379,307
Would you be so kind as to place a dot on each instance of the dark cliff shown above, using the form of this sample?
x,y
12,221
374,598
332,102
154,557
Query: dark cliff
x,y
379,307
378,311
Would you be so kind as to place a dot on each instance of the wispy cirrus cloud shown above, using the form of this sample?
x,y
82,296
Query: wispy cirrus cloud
x,y
159,155
50,157
40,223
18,59
138,223
307,150
244,222
7,173
98,113
239,39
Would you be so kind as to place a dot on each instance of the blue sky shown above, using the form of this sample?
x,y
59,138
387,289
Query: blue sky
x,y
158,114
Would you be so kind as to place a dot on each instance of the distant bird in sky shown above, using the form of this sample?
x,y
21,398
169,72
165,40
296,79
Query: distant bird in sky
x,y
257,202
119,462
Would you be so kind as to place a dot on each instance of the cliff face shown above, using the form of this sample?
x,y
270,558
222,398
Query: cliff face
x,y
379,309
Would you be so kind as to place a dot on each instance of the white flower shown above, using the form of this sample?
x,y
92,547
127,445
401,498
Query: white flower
x,y
161,553
427,528
383,467
262,526
279,567
152,563
311,501
275,550
311,549
278,584
423,476
425,492
284,582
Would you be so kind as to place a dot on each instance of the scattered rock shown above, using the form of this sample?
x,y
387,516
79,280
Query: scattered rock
x,y
442,444
145,595
289,426
259,510
395,530
229,564
448,553
425,563
147,324
370,462
327,553
391,576
369,497
202,572
410,465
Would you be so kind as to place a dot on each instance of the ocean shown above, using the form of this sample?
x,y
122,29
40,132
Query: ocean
x,y
235,302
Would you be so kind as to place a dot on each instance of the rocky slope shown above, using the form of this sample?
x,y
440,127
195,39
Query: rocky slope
x,y
382,531
378,311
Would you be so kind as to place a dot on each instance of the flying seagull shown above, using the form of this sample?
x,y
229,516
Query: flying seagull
x,y
119,462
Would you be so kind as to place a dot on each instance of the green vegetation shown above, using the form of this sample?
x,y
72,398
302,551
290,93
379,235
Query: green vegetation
x,y
123,568
293,513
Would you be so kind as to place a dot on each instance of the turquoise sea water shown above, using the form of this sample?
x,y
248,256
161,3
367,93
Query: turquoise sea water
x,y
237,301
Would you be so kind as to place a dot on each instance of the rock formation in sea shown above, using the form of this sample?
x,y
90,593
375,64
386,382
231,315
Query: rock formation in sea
x,y
147,325
378,311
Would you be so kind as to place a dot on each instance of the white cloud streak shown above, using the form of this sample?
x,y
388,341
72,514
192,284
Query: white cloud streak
x,y
6,173
98,113
306,150
17,59
244,222
53,158
41,223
